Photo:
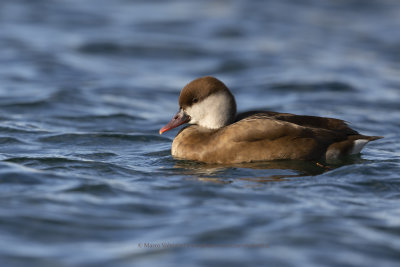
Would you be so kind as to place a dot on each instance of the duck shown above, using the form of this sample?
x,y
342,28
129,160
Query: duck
x,y
217,134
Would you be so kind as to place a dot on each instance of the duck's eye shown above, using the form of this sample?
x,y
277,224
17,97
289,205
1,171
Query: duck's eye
x,y
195,100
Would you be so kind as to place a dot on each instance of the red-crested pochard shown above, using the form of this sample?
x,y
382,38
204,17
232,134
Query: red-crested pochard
x,y
218,135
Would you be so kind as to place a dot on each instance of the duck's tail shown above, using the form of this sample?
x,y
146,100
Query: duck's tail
x,y
353,145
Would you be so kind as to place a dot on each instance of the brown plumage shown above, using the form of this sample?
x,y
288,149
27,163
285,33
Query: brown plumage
x,y
218,135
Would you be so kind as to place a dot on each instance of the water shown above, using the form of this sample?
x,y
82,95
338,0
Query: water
x,y
85,179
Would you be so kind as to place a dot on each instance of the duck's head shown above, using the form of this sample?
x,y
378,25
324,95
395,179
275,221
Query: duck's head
x,y
206,102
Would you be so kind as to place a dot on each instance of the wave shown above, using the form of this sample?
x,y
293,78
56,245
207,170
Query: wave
x,y
334,86
99,138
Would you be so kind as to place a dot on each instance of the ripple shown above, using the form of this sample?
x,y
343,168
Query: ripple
x,y
10,141
94,118
229,66
88,167
333,86
18,178
19,175
43,160
27,104
103,138
95,156
98,123
386,186
96,189
142,50
22,130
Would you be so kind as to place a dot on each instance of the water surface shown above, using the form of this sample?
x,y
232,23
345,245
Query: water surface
x,y
85,179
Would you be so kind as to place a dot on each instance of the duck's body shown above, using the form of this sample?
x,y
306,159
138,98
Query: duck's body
x,y
218,135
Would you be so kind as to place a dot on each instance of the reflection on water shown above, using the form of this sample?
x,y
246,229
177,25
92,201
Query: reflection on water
x,y
264,171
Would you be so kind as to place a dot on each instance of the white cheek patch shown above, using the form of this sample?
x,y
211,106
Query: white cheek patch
x,y
213,112
358,145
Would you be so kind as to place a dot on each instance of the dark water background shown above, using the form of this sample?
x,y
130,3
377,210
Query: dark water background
x,y
85,179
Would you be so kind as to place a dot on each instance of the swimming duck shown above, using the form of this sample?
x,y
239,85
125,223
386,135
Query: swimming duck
x,y
217,134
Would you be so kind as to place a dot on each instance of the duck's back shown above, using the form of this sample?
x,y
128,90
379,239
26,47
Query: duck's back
x,y
302,120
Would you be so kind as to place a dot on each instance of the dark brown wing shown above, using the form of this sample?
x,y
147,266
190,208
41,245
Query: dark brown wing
x,y
331,124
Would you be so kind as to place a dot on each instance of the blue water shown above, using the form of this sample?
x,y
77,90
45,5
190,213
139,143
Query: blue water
x,y
85,179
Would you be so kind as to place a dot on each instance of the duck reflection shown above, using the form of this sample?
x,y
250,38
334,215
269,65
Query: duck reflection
x,y
266,171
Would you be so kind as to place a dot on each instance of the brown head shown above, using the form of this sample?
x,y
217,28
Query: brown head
x,y
205,101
